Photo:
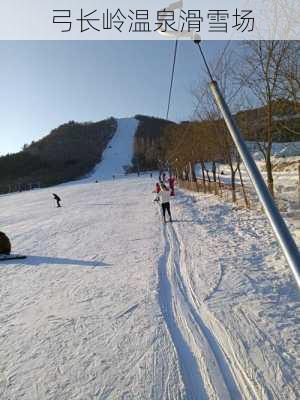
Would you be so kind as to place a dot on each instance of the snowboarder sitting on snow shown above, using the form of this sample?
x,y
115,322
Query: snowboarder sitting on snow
x,y
57,198
164,196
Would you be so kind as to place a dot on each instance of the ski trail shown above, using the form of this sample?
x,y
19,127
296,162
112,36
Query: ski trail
x,y
188,364
119,151
228,361
223,362
205,369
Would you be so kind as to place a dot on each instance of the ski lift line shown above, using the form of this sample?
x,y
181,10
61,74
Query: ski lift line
x,y
215,69
184,132
172,78
204,59
172,7
197,40
181,142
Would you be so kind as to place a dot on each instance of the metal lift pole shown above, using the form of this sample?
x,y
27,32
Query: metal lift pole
x,y
280,229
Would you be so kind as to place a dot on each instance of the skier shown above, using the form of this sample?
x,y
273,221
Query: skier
x,y
172,185
162,178
157,190
164,196
57,198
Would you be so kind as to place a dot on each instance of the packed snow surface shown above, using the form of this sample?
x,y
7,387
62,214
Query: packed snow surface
x,y
113,304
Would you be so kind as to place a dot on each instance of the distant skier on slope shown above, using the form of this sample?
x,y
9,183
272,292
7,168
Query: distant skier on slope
x,y
57,199
164,196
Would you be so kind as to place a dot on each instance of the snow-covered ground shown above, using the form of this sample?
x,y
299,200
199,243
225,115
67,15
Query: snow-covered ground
x,y
286,162
113,304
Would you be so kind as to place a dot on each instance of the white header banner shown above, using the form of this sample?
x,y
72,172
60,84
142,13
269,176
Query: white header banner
x,y
150,19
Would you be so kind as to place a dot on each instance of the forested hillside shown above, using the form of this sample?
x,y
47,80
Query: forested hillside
x,y
67,153
285,122
149,142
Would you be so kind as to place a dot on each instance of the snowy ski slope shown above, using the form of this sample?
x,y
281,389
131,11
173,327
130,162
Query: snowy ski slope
x,y
118,154
112,304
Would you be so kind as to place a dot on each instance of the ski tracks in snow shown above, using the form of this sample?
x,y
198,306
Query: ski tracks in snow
x,y
205,369
216,361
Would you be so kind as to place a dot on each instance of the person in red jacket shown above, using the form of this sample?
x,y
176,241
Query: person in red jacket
x,y
172,185
157,190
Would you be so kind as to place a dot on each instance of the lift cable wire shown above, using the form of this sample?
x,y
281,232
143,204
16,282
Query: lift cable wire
x,y
197,42
206,64
172,79
215,72
180,143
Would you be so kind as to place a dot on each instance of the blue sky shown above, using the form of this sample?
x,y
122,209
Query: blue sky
x,y
45,84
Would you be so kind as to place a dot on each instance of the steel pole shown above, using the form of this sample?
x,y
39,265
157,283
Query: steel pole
x,y
280,229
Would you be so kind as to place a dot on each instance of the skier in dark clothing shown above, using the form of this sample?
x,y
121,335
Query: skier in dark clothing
x,y
57,198
164,196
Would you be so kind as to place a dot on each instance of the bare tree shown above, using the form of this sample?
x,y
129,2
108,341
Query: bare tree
x,y
290,89
220,144
261,74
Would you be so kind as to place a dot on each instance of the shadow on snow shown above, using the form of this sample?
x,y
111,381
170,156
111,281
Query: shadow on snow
x,y
37,260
